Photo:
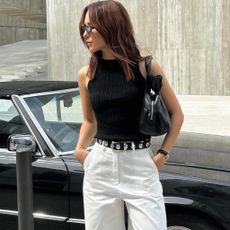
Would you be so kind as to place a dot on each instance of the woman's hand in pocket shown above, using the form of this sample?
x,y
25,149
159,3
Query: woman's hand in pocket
x,y
159,160
81,155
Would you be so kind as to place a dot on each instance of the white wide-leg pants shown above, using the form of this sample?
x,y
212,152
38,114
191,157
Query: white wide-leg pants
x,y
113,177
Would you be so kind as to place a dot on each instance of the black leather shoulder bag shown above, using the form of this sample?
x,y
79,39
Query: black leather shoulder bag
x,y
155,119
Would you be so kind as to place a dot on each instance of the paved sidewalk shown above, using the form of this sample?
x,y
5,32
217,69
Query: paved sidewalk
x,y
24,59
206,114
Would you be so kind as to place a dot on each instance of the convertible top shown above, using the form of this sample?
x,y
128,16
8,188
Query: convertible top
x,y
27,87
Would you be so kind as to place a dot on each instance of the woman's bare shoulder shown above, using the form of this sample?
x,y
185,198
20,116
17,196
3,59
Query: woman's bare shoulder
x,y
82,75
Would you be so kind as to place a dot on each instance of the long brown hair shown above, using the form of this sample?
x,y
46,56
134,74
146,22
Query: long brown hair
x,y
112,21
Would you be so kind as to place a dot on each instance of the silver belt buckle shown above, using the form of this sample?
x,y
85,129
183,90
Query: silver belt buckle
x,y
141,145
147,144
117,145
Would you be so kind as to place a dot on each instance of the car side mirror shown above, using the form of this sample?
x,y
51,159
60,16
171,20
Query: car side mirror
x,y
22,143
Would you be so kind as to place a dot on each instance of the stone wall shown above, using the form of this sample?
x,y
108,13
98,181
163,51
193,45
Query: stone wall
x,y
22,20
190,39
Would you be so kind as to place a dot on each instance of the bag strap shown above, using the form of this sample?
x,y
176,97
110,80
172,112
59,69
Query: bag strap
x,y
154,83
148,61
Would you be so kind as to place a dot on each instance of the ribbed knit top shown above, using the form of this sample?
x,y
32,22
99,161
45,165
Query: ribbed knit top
x,y
116,101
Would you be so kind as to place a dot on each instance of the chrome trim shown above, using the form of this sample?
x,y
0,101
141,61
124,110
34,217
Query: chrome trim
x,y
36,215
197,166
177,227
6,151
51,92
43,216
76,221
177,200
8,212
72,152
31,131
65,153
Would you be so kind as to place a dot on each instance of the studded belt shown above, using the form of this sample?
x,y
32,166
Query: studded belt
x,y
124,145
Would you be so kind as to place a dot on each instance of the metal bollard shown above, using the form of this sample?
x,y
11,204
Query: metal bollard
x,y
24,146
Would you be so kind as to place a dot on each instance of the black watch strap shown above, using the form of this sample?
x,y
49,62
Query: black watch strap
x,y
163,152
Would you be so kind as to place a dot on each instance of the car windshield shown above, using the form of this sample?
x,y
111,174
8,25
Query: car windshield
x,y
59,115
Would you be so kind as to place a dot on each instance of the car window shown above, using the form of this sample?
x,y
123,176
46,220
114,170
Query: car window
x,y
59,115
10,122
7,110
65,109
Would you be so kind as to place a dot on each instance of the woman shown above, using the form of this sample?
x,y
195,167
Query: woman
x,y
121,168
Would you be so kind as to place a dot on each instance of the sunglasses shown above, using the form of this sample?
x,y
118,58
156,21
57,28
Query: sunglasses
x,y
87,28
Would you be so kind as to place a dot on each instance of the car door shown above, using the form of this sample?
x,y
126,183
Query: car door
x,y
76,174
50,177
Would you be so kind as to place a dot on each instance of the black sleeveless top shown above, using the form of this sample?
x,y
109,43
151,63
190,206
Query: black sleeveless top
x,y
116,101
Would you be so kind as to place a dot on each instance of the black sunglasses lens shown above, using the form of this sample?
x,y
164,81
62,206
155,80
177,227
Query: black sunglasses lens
x,y
87,28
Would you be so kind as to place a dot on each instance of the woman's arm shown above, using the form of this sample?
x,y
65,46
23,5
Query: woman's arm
x,y
175,111
88,127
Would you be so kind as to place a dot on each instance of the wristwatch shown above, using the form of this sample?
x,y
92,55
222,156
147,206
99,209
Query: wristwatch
x,y
164,153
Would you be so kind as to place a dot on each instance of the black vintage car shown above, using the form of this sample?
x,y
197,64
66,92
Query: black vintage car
x,y
51,113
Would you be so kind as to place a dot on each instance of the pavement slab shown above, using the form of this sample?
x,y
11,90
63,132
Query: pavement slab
x,y
24,59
